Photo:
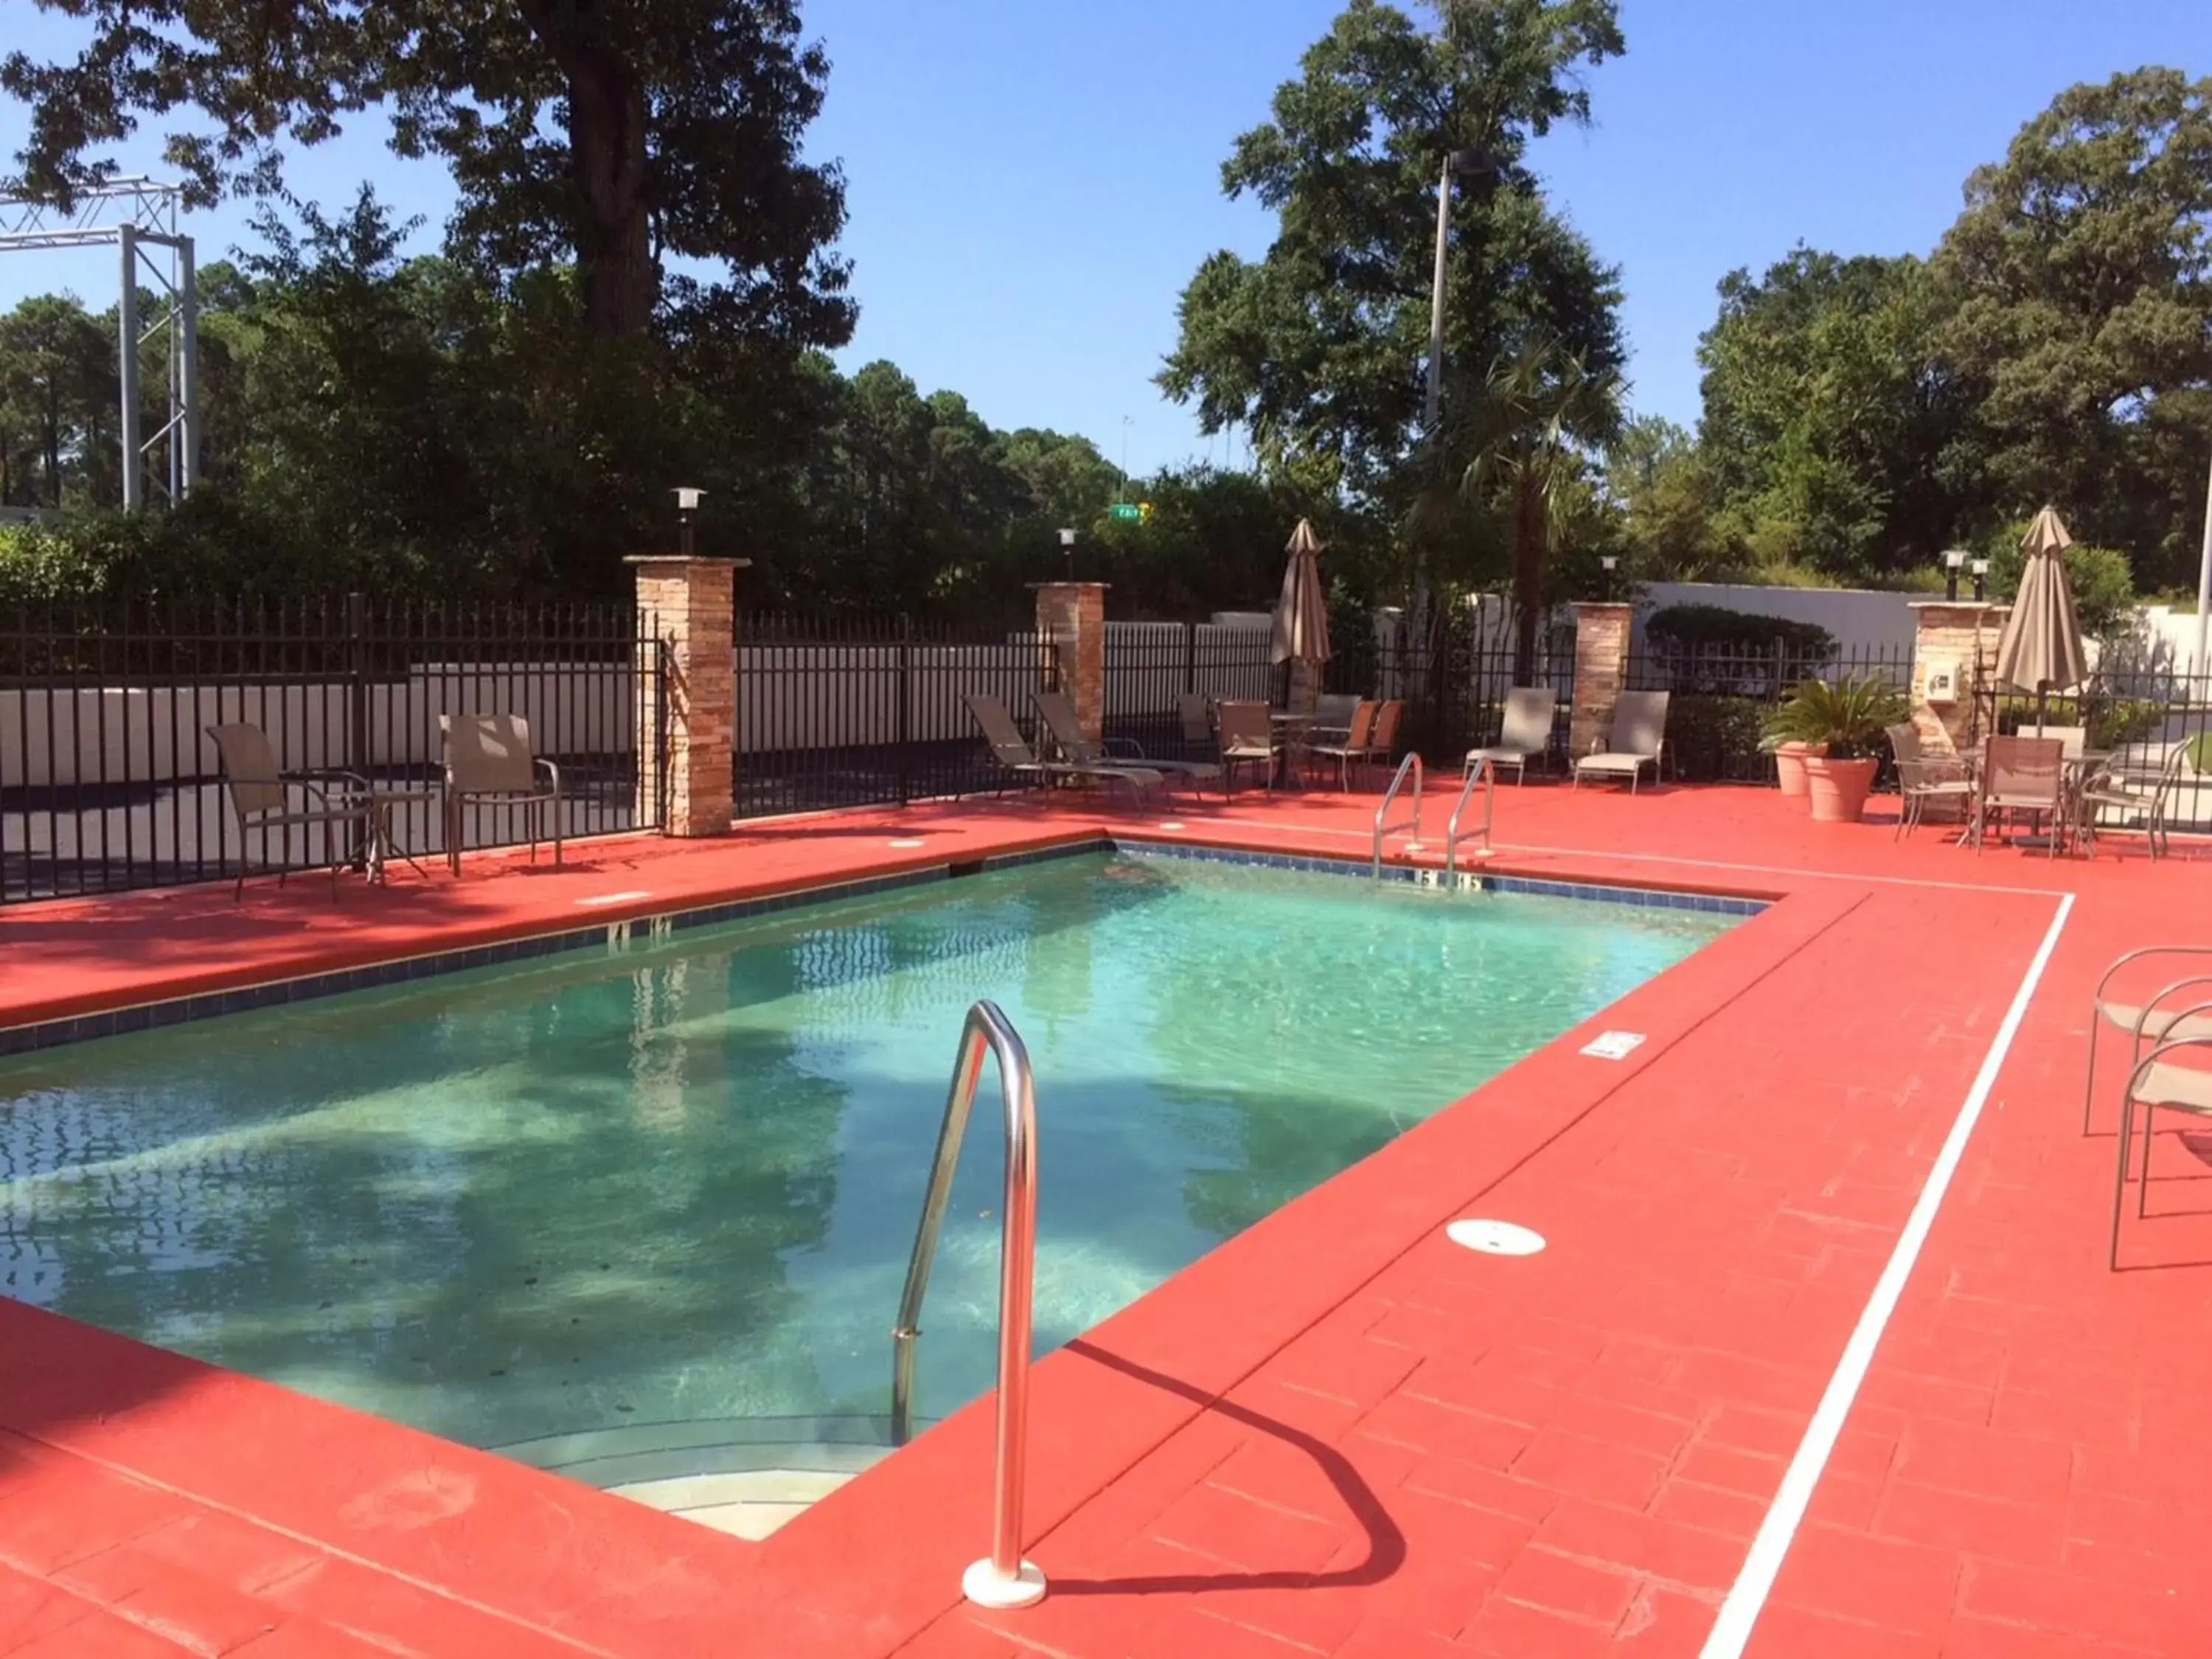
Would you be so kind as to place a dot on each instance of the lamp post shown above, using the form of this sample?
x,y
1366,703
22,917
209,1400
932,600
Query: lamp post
x,y
1953,562
687,503
1609,563
1981,568
1067,551
1465,164
2204,589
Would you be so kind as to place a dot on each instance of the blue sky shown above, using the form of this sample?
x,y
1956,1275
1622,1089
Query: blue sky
x,y
1032,182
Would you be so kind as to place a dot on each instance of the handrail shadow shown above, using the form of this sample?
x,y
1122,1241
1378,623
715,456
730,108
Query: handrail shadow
x,y
1386,1544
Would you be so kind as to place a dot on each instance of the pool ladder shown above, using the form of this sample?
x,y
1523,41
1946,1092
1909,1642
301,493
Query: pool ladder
x,y
1001,1579
1384,826
1483,773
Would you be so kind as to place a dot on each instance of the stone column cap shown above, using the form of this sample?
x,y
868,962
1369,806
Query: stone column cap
x,y
685,558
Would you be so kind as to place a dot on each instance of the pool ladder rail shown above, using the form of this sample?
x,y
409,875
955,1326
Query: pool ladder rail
x,y
1483,773
1001,1579
1384,827
1480,773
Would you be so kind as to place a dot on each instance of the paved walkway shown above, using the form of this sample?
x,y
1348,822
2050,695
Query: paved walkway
x,y
1339,1433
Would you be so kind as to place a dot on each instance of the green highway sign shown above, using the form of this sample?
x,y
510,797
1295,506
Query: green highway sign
x,y
1125,510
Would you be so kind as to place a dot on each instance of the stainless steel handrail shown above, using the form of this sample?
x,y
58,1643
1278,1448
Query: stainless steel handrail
x,y
1382,827
1483,770
1003,1579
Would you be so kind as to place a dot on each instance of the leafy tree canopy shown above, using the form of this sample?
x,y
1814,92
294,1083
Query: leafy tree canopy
x,y
1320,346
617,134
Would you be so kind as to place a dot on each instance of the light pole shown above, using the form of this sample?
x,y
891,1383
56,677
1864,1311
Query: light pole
x,y
1981,568
1465,164
1067,551
1611,563
1955,560
687,503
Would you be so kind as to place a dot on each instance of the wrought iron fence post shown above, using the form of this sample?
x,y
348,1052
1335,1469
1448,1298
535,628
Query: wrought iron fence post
x,y
905,727
1190,656
357,756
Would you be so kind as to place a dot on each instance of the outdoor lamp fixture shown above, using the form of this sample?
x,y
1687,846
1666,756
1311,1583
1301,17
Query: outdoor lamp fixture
x,y
1067,551
1981,568
1610,563
687,503
1953,562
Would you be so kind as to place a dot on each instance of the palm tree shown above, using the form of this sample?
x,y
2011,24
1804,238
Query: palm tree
x,y
1511,454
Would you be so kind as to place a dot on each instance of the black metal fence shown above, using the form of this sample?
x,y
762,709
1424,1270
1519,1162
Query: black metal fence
x,y
1719,699
1453,680
1149,667
108,779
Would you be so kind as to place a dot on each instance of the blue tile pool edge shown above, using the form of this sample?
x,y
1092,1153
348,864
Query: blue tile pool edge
x,y
617,935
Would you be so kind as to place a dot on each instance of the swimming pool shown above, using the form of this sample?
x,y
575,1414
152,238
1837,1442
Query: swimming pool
x,y
664,1197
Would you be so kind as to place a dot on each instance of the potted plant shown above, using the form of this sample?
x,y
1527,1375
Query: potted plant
x,y
1843,726
1790,758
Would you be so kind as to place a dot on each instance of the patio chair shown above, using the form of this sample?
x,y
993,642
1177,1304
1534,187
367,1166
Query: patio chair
x,y
2022,774
1524,733
1012,751
2073,739
1922,777
1332,717
262,796
1638,739
1196,711
2128,793
1248,739
1383,736
1352,746
1058,715
488,758
2155,1019
2161,1081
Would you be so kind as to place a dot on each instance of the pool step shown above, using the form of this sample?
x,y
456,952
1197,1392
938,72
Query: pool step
x,y
751,1503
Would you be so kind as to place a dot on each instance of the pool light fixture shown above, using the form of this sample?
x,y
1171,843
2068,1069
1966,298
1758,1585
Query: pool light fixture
x,y
1494,1237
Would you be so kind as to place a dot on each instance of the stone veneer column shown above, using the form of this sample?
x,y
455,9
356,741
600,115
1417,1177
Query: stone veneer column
x,y
689,605
1071,625
1960,632
1601,629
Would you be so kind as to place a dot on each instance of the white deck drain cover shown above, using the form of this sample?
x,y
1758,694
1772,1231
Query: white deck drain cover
x,y
1171,826
908,841
1613,1045
614,898
1495,1237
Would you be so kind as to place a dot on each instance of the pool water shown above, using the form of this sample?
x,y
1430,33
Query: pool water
x,y
677,1186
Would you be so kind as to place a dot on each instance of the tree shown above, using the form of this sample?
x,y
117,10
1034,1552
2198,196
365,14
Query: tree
x,y
2079,279
1518,446
1661,483
1830,425
617,132
58,389
1319,347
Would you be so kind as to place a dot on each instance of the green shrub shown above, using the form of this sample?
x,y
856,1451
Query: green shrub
x,y
1715,739
1716,627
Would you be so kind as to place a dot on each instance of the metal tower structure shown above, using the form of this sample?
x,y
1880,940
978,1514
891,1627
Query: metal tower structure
x,y
139,216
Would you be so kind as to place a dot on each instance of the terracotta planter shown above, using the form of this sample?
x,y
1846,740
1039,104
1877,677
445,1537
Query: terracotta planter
x,y
1838,789
1789,764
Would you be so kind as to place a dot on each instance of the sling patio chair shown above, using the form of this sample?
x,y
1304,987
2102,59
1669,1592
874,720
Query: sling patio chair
x,y
2129,796
2182,973
2163,1079
1922,777
1524,733
488,758
1194,712
2022,774
1012,751
265,797
1352,746
1638,739
1248,739
1060,719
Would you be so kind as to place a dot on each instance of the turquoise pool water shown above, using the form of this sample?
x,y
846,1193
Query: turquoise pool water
x,y
677,1186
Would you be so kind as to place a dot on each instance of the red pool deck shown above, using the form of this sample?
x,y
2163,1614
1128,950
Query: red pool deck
x,y
1337,1434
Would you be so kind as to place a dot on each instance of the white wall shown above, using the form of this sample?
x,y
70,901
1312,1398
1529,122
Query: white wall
x,y
1861,619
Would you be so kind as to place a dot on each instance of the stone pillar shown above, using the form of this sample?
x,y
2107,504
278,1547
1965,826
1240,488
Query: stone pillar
x,y
1071,625
1954,644
1601,630
689,605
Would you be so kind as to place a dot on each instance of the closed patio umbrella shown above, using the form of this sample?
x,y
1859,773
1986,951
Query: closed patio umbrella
x,y
2040,650
1302,612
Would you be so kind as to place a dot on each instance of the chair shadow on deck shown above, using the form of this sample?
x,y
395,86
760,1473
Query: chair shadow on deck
x,y
1386,1544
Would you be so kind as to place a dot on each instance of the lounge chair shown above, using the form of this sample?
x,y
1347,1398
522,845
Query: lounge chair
x,y
1248,739
1357,739
488,758
1060,719
1525,733
1638,739
262,796
1922,777
1012,751
2158,1017
2022,774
